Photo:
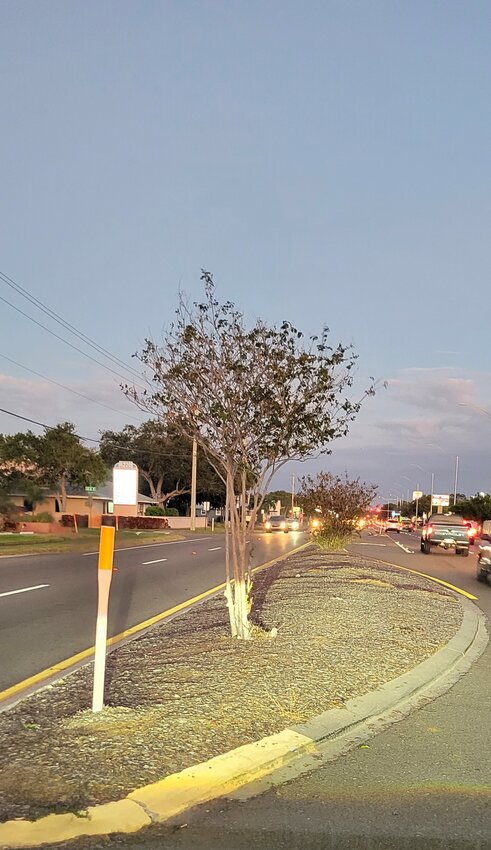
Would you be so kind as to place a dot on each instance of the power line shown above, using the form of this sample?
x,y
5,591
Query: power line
x,y
64,387
59,319
79,436
57,336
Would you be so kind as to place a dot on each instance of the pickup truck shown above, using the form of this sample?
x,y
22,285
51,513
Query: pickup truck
x,y
447,532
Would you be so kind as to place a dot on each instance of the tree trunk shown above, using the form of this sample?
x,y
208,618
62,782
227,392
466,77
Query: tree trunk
x,y
63,494
237,585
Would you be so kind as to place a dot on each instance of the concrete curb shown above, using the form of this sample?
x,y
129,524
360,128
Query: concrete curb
x,y
226,773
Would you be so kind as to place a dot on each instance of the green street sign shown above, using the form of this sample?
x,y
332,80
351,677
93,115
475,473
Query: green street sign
x,y
90,489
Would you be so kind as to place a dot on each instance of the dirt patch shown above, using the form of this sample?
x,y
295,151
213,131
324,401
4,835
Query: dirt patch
x,y
186,691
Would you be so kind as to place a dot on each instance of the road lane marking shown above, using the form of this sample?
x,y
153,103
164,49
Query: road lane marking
x,y
409,551
158,561
215,549
23,589
148,545
85,655
369,544
431,578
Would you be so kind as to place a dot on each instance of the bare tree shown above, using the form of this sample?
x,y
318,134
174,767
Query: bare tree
x,y
254,399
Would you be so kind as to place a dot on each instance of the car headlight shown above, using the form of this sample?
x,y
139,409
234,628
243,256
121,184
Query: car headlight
x,y
267,525
283,525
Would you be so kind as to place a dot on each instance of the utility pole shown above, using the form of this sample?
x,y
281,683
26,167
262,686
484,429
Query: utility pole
x,y
432,492
293,493
194,469
456,479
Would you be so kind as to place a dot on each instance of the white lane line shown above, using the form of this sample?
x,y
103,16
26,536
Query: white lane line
x,y
158,561
368,544
23,589
401,545
215,549
148,545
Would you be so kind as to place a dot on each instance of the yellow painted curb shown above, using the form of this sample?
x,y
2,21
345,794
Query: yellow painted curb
x,y
431,578
67,663
121,816
220,775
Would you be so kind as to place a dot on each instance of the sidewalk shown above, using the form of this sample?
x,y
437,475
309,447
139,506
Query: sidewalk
x,y
185,692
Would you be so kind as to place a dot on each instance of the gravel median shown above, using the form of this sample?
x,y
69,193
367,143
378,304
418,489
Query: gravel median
x,y
185,691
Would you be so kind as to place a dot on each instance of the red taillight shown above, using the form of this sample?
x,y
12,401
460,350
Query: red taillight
x,y
429,530
471,532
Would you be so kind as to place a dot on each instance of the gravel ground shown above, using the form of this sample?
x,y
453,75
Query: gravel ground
x,y
186,691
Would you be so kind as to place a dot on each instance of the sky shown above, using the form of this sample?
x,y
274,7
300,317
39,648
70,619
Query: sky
x,y
327,161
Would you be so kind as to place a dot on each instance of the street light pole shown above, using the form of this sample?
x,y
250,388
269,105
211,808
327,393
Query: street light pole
x,y
293,494
194,468
456,479
432,493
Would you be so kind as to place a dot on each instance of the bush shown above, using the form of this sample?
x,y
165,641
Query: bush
x,y
143,522
44,516
156,510
67,520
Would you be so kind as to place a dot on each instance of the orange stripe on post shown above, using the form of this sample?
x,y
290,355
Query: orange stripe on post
x,y
106,547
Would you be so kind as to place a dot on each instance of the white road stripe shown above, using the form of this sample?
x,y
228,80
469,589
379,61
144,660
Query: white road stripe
x,y
368,544
215,549
158,561
147,545
401,545
23,589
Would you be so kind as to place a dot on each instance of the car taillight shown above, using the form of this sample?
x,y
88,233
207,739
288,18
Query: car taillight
x,y
471,532
429,530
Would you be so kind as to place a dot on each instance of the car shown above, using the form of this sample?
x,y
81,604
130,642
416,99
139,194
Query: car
x,y
407,524
393,525
277,522
293,523
484,564
447,532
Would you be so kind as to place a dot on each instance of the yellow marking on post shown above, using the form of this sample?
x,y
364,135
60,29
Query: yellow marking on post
x,y
432,578
106,547
61,666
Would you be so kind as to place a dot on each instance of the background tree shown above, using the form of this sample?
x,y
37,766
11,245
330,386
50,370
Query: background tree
x,y
338,502
477,507
163,455
275,496
57,459
254,399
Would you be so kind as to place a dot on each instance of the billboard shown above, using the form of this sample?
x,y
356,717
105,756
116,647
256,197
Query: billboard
x,y
125,483
440,501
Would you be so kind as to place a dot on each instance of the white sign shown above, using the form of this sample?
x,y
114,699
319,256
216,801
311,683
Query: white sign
x,y
440,501
125,483
417,494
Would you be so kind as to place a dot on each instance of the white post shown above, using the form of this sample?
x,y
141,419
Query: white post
x,y
104,576
456,479
193,484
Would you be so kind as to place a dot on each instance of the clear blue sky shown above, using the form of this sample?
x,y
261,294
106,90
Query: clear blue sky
x,y
328,161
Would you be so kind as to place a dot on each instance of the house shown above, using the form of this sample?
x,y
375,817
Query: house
x,y
94,504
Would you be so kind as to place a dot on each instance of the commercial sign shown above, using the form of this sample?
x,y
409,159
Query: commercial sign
x,y
125,483
417,494
440,501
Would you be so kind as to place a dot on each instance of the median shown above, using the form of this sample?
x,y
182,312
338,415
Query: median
x,y
327,628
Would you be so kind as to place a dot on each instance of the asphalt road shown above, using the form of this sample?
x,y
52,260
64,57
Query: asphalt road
x,y
422,784
48,602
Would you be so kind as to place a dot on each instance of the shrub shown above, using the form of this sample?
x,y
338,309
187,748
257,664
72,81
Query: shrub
x,y
143,522
68,521
44,516
156,510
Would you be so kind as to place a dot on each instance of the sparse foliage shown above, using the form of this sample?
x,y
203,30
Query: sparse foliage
x,y
338,502
254,398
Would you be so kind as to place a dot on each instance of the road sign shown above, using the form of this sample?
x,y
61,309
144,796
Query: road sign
x,y
125,483
90,489
440,501
417,494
